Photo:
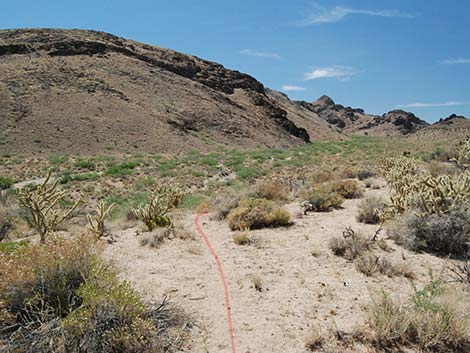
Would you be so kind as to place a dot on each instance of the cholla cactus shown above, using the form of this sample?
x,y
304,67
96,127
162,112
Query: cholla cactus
x,y
463,156
97,221
162,201
419,190
41,203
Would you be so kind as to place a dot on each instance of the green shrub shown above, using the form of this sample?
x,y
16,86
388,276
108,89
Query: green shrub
x,y
5,182
447,233
257,213
62,297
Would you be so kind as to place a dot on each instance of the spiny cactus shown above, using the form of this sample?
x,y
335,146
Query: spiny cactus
x,y
463,156
162,201
96,222
41,203
414,189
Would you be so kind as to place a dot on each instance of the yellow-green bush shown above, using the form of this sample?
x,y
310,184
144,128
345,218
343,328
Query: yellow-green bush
x,y
349,189
257,213
322,199
62,297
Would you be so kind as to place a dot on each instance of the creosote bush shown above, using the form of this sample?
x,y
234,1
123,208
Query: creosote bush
x,y
349,189
62,297
321,199
257,213
435,319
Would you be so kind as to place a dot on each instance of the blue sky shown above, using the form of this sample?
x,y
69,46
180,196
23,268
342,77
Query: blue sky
x,y
375,54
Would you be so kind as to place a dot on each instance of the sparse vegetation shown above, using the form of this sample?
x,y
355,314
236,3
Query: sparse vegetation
x,y
322,199
257,213
370,264
435,319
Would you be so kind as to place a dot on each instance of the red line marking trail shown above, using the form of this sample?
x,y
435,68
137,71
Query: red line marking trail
x,y
222,278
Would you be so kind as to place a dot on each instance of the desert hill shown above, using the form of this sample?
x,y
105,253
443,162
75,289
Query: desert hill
x,y
87,91
69,91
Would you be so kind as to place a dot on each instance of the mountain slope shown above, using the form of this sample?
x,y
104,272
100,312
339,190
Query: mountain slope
x,y
81,91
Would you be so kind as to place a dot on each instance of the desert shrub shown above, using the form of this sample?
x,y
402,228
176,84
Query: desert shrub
x,y
369,209
321,199
257,213
162,201
62,297
349,189
241,238
460,271
447,233
462,158
435,319
4,222
223,203
371,183
271,190
42,205
8,247
350,246
5,182
370,264
155,238
363,174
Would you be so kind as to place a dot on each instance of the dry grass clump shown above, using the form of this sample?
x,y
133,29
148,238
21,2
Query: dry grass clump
x,y
257,213
241,238
272,190
447,233
158,236
61,297
350,246
370,264
369,209
435,319
371,183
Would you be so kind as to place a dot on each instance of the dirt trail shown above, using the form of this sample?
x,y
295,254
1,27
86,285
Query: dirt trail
x,y
303,283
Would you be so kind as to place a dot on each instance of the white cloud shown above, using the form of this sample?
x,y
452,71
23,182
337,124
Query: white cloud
x,y
260,54
432,105
288,88
342,73
323,15
455,61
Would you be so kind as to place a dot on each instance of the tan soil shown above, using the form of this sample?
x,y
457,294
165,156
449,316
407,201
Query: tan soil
x,y
304,284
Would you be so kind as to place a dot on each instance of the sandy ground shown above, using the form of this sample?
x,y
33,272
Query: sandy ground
x,y
303,284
